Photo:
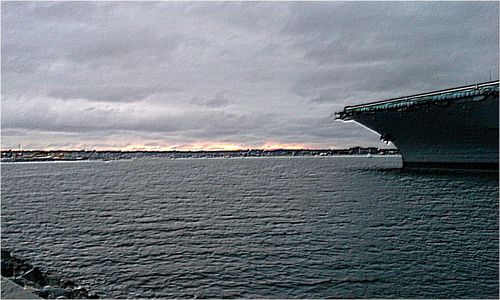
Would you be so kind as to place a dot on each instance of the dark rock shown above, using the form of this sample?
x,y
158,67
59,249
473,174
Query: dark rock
x,y
20,281
53,292
52,280
38,293
12,266
66,284
54,287
80,292
92,295
7,266
36,276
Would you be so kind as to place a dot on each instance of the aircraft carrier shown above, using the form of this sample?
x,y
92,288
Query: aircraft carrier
x,y
455,128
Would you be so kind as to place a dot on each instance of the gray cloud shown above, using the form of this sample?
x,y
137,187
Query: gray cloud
x,y
77,74
112,93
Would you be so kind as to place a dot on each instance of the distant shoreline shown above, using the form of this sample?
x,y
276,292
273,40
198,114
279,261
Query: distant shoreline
x,y
26,161
85,155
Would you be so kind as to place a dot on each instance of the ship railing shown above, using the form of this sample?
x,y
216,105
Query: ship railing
x,y
407,101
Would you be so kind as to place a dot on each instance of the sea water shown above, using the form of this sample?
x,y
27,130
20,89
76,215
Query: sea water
x,y
310,227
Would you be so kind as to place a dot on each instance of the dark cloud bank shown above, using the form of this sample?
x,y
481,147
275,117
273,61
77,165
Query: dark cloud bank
x,y
175,74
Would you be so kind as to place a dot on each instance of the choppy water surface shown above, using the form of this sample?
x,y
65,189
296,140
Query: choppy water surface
x,y
263,227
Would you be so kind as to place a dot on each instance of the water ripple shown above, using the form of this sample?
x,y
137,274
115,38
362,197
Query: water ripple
x,y
256,228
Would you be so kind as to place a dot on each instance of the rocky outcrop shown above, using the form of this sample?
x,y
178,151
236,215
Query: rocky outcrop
x,y
43,284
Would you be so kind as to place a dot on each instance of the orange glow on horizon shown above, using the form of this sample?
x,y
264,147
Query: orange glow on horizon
x,y
198,146
277,146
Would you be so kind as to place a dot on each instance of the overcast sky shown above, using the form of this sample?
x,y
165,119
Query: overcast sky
x,y
207,75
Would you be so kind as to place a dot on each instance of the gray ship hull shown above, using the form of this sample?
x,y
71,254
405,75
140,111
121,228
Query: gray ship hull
x,y
455,128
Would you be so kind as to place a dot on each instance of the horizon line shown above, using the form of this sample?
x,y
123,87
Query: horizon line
x,y
213,150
